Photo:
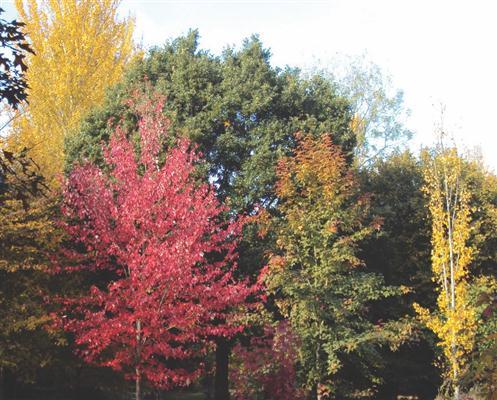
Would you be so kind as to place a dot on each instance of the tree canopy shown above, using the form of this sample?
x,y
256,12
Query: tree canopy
x,y
160,235
80,48
237,108
14,48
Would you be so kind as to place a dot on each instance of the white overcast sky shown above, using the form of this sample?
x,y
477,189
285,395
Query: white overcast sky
x,y
437,51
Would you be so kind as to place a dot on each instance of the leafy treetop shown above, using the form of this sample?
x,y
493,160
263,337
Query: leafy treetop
x,y
160,236
14,48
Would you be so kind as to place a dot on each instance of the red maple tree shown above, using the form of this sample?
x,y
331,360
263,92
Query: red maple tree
x,y
169,248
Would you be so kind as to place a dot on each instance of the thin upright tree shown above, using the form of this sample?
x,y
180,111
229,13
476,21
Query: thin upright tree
x,y
454,321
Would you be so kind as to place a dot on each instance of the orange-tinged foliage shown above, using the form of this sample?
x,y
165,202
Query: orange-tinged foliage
x,y
313,184
314,275
314,189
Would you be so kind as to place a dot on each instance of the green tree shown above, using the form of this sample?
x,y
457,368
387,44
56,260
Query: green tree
x,y
482,184
481,373
400,252
316,277
239,110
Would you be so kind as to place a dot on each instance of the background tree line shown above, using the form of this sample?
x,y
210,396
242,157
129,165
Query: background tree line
x,y
340,224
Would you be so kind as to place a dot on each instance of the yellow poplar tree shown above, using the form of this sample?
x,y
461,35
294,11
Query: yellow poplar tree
x,y
81,48
454,322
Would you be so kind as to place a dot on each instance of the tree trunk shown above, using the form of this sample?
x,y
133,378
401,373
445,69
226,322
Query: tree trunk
x,y
457,395
138,392
221,385
313,393
2,384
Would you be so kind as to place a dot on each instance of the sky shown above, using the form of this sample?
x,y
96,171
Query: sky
x,y
439,52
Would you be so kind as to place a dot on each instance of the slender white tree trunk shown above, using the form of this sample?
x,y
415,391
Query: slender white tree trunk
x,y
452,266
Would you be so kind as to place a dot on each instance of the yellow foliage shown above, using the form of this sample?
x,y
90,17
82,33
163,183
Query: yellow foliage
x,y
455,321
28,236
358,126
81,48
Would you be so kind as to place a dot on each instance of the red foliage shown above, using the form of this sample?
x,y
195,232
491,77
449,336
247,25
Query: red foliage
x,y
160,235
266,368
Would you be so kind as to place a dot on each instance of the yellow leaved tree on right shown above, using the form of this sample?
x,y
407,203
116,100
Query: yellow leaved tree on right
x,y
454,321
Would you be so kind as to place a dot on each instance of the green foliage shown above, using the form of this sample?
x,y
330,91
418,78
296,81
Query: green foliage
x,y
238,109
318,281
482,184
482,371
400,252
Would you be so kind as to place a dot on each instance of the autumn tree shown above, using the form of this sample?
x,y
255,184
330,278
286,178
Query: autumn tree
x,y
161,237
27,234
454,321
401,252
239,110
266,366
318,281
80,49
